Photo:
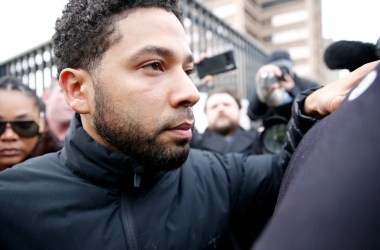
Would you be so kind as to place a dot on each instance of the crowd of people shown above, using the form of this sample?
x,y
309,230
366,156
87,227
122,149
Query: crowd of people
x,y
110,159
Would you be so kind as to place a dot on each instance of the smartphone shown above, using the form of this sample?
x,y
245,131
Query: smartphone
x,y
217,64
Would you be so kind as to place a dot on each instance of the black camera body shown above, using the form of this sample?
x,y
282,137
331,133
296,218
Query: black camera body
x,y
270,78
285,67
284,71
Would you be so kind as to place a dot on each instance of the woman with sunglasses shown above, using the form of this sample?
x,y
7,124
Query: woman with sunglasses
x,y
21,124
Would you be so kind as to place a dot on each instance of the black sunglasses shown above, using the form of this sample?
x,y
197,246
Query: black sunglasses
x,y
26,129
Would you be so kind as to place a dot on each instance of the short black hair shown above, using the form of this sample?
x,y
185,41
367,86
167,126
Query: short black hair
x,y
86,29
230,92
16,84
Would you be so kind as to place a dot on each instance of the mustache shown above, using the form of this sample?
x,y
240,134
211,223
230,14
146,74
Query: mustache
x,y
181,115
223,115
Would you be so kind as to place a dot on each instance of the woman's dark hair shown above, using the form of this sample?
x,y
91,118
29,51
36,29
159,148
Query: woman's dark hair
x,y
86,29
15,84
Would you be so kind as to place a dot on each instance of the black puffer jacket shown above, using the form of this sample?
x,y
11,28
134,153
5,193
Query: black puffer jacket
x,y
242,141
86,197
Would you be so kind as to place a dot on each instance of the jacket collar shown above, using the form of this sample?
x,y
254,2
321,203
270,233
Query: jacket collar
x,y
240,141
92,161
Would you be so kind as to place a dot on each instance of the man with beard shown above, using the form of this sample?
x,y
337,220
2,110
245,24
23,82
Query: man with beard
x,y
125,178
223,133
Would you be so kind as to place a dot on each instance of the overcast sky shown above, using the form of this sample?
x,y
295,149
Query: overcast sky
x,y
25,24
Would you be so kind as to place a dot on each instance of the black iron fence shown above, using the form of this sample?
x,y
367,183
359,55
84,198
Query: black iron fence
x,y
206,33
35,67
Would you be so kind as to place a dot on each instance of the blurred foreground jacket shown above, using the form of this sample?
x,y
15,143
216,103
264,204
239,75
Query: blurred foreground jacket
x,y
329,197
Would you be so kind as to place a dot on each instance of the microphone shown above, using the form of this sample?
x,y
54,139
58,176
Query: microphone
x,y
349,54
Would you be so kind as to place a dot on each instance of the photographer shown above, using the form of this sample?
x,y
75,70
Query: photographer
x,y
276,87
284,85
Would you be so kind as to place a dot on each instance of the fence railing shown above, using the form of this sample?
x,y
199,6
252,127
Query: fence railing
x,y
35,67
206,33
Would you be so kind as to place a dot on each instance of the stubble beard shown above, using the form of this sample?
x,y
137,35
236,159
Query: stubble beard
x,y
131,138
226,128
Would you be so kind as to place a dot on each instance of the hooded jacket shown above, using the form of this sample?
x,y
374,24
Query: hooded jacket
x,y
87,197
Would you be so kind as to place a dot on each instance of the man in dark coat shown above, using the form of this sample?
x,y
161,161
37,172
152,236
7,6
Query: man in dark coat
x,y
330,194
126,177
224,133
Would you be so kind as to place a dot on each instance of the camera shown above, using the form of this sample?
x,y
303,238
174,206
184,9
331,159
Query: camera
x,y
285,70
265,80
274,134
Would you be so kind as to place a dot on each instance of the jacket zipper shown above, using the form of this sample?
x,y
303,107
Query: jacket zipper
x,y
127,222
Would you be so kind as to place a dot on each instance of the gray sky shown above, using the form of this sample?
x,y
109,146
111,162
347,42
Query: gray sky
x,y
26,24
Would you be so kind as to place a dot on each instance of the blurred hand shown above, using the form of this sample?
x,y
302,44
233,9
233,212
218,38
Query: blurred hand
x,y
327,99
288,84
206,79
